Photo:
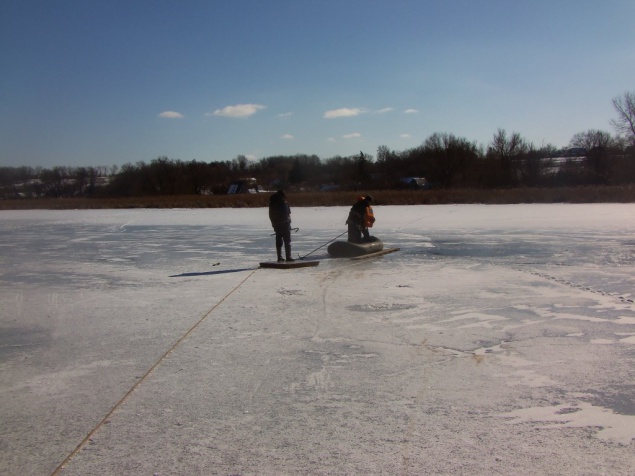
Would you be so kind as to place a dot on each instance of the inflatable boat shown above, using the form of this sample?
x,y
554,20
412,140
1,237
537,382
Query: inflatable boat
x,y
346,249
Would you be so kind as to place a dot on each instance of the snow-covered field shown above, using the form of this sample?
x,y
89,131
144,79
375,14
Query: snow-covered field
x,y
499,340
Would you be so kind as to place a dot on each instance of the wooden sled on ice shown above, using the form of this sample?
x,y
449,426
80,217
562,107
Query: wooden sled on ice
x,y
288,264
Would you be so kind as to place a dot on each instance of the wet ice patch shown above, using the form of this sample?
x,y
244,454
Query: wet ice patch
x,y
619,398
611,426
290,292
381,307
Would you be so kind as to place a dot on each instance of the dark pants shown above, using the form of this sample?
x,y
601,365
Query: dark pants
x,y
357,233
283,235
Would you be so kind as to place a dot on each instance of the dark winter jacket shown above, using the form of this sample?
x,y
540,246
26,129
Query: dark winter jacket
x,y
279,211
361,214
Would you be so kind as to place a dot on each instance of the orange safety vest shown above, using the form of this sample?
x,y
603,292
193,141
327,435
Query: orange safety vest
x,y
369,217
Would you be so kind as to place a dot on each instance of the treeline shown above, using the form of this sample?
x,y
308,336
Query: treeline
x,y
444,160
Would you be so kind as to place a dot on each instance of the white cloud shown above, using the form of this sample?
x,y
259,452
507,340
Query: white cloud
x,y
343,112
239,110
171,115
410,111
385,110
353,135
331,139
286,136
285,114
405,136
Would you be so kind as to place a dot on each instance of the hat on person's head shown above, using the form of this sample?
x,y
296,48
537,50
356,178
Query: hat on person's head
x,y
369,198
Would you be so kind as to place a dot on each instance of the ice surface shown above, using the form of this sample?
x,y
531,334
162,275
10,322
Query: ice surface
x,y
499,340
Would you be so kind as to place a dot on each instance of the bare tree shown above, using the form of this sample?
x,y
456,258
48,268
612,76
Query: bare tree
x,y
449,158
505,148
240,164
591,139
508,151
598,146
625,107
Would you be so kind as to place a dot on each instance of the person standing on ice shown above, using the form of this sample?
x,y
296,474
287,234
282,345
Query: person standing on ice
x,y
360,219
280,216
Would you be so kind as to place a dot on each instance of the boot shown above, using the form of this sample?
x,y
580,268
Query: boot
x,y
287,249
279,250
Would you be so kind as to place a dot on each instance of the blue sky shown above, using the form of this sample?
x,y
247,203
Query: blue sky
x,y
92,82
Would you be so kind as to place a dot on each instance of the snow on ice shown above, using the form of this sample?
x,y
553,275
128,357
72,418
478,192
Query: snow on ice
x,y
499,340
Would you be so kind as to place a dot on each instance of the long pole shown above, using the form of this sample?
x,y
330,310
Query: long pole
x,y
294,230
302,257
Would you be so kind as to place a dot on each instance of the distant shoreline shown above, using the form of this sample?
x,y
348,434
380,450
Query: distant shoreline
x,y
596,194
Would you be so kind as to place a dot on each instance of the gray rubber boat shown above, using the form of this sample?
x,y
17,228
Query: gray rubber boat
x,y
345,249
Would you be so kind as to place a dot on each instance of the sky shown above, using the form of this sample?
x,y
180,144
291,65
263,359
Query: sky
x,y
110,82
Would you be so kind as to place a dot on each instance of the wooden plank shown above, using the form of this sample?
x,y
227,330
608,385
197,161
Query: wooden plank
x,y
375,254
288,264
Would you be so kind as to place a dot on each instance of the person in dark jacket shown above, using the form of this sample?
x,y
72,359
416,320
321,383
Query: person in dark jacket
x,y
360,218
280,216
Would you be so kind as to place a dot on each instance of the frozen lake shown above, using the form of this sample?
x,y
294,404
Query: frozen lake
x,y
498,340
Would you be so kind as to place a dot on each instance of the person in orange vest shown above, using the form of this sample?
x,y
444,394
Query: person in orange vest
x,y
360,219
